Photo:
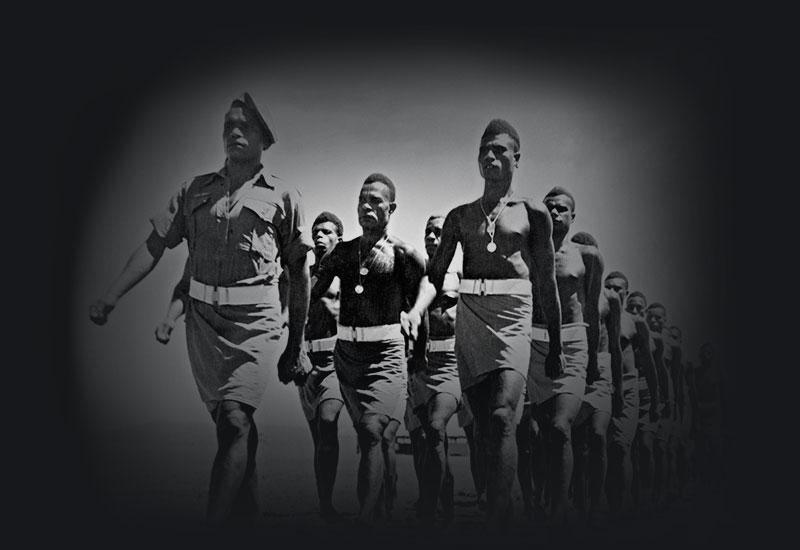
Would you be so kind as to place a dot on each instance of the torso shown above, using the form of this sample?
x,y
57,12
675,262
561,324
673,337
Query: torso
x,y
512,258
385,294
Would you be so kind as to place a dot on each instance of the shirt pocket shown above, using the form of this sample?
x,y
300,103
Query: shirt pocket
x,y
200,218
260,228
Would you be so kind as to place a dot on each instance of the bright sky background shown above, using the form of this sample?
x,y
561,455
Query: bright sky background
x,y
627,143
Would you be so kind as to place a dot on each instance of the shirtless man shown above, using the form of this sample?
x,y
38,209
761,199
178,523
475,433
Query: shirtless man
x,y
667,355
602,397
649,407
507,244
634,344
556,402
380,277
436,386
682,432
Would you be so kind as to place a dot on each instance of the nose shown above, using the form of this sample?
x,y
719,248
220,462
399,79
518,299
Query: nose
x,y
430,236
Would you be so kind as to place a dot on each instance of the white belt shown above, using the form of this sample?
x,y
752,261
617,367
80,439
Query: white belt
x,y
573,332
228,295
321,344
495,286
441,345
369,334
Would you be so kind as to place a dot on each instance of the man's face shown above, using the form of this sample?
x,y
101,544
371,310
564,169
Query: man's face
x,y
374,206
241,136
433,235
561,212
325,237
635,306
619,285
498,157
675,332
706,353
656,317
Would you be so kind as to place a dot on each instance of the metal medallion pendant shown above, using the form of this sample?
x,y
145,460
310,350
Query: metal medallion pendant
x,y
491,247
363,271
359,289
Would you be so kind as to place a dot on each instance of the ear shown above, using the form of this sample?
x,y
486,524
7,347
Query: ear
x,y
516,160
392,207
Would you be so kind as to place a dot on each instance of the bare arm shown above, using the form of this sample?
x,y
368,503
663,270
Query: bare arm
x,y
176,308
614,345
293,364
414,276
138,266
545,274
644,362
431,284
324,275
593,262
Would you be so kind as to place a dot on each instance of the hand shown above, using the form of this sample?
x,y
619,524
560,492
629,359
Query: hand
x,y
554,363
99,310
164,331
409,323
294,366
617,404
653,412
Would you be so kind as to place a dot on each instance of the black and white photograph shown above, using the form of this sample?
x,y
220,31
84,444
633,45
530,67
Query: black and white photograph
x,y
387,285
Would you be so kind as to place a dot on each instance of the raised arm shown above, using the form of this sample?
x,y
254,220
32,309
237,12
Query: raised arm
x,y
544,272
140,263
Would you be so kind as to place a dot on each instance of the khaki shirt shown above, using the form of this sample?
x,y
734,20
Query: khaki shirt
x,y
235,240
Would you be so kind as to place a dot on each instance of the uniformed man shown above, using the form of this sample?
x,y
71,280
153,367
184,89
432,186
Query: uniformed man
x,y
238,223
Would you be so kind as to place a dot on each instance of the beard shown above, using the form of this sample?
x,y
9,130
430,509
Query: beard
x,y
381,260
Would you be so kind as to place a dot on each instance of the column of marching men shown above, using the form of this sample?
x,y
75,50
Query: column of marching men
x,y
561,378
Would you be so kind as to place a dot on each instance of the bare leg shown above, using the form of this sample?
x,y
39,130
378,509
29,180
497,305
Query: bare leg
x,y
477,463
418,451
495,400
580,453
233,471
440,408
525,460
566,408
326,455
539,451
645,470
371,464
390,462
598,460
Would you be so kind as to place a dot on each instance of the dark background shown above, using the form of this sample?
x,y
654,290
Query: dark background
x,y
78,77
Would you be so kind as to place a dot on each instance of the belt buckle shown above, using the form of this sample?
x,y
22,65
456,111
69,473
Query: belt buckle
x,y
355,334
482,287
215,296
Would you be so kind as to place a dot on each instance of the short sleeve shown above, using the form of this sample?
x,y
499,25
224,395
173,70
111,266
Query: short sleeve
x,y
295,240
169,222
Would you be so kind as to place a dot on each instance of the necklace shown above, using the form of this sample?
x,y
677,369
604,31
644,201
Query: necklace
x,y
363,269
490,222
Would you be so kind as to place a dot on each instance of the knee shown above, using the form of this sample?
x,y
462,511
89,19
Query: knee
x,y
328,412
597,439
233,424
561,429
502,421
370,432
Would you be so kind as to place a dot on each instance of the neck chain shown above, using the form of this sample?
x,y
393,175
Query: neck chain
x,y
490,222
364,269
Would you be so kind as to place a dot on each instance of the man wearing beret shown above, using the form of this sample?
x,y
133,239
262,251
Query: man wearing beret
x,y
238,223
